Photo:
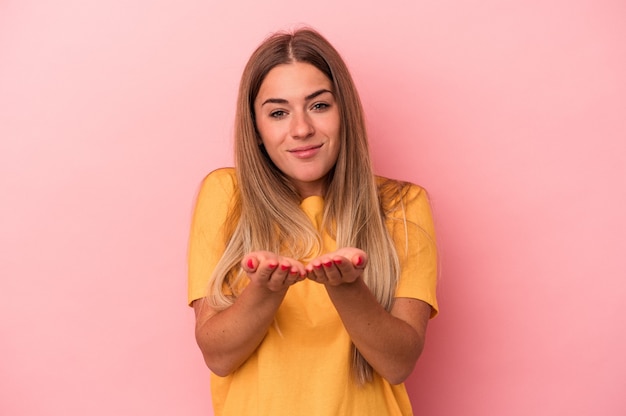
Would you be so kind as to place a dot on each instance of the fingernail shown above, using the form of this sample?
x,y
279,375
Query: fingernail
x,y
317,266
283,267
359,261
328,263
272,265
338,261
250,264
293,272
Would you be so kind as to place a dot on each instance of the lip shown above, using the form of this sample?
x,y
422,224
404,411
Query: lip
x,y
305,152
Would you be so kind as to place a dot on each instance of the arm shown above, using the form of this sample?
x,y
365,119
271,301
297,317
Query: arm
x,y
227,338
390,341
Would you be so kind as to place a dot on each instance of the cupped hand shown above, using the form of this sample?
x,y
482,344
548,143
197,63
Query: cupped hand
x,y
343,266
271,271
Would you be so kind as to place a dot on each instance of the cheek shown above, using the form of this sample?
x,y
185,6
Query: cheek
x,y
337,133
263,133
336,124
336,152
269,132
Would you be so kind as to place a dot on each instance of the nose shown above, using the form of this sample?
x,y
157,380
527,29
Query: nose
x,y
301,126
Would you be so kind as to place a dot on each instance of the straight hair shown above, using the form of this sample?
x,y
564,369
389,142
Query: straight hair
x,y
265,212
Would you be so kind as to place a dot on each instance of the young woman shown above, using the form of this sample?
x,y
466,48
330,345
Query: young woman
x,y
311,278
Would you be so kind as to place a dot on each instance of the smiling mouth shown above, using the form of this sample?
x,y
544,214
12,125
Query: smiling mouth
x,y
306,151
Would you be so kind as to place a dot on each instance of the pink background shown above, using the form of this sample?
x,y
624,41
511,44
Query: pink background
x,y
512,114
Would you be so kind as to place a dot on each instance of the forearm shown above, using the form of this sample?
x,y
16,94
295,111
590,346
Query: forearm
x,y
390,344
227,338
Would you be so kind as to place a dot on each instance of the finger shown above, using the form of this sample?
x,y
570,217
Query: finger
x,y
315,271
359,261
266,268
259,261
331,269
299,271
293,277
343,265
278,276
249,264
294,271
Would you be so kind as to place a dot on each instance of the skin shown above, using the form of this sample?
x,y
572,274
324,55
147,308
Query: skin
x,y
298,121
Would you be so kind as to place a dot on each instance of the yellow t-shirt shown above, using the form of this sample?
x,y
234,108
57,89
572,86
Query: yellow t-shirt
x,y
303,367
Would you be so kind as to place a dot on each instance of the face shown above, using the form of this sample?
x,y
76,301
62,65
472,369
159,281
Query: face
x,y
298,120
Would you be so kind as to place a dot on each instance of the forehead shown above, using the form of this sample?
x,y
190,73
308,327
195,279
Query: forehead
x,y
295,80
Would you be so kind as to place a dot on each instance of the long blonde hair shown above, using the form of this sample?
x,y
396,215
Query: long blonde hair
x,y
265,212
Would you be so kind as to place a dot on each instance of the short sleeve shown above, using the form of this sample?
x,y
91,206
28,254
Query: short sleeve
x,y
416,245
207,241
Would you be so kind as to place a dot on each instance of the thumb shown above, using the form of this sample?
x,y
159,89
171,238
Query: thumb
x,y
359,261
249,264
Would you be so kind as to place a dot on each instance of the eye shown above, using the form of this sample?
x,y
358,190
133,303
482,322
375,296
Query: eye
x,y
278,114
320,106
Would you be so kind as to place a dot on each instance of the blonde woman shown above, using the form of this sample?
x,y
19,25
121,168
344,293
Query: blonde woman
x,y
311,278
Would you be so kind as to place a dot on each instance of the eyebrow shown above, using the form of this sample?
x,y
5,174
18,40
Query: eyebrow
x,y
307,98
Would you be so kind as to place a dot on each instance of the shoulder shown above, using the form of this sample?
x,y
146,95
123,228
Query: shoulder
x,y
219,186
220,180
222,176
395,194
